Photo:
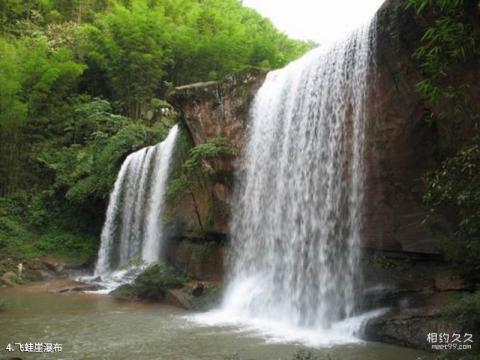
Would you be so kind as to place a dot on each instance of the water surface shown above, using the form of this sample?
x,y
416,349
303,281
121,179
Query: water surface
x,y
97,327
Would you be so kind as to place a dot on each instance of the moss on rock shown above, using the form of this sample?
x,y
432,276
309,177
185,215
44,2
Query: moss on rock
x,y
154,282
124,292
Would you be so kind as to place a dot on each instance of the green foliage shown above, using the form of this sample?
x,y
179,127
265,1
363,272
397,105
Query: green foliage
x,y
466,308
98,141
454,189
23,230
58,241
37,83
139,47
12,109
448,42
195,169
194,166
212,149
129,45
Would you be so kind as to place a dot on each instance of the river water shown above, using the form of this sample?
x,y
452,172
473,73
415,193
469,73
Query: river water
x,y
97,327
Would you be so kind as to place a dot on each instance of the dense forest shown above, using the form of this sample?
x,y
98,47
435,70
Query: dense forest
x,y
83,85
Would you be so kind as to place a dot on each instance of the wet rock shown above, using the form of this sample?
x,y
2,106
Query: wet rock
x,y
202,296
154,282
198,290
411,327
41,275
176,297
54,265
199,257
79,288
448,280
124,292
9,279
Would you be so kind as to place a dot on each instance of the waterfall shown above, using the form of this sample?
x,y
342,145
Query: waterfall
x,y
133,225
296,222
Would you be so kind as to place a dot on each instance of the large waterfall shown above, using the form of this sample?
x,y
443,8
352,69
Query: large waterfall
x,y
296,226
133,225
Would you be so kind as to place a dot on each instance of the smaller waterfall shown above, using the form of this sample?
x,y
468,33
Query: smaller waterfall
x,y
133,225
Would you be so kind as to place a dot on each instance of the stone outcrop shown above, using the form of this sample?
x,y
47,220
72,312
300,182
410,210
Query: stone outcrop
x,y
402,143
198,223
215,110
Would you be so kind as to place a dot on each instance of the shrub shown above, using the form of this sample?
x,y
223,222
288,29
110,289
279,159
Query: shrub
x,y
454,190
466,308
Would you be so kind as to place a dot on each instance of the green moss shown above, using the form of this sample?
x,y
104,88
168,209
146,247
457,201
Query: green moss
x,y
154,282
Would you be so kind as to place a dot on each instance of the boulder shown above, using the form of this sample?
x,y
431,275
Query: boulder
x,y
202,296
124,292
154,282
10,279
198,290
55,265
176,297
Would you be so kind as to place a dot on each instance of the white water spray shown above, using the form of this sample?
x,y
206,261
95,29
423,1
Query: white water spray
x,y
296,222
133,225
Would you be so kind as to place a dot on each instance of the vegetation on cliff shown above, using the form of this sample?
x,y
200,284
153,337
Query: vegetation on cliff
x,y
449,45
195,170
82,87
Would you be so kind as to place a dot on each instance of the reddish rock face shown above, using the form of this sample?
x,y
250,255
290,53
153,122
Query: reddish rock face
x,y
211,110
394,215
219,109
401,142
203,260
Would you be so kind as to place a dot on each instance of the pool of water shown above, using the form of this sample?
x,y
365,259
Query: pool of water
x,y
97,327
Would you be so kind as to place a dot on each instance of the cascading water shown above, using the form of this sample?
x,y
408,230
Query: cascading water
x,y
296,221
133,226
